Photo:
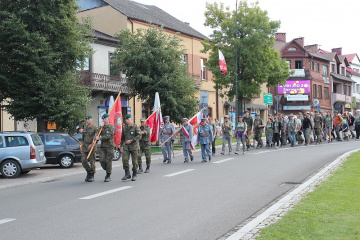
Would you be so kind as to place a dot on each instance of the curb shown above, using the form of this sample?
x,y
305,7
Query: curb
x,y
251,229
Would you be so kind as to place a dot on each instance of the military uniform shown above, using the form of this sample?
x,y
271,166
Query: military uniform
x,y
204,137
107,148
130,132
144,143
258,132
227,135
88,137
240,136
318,127
291,131
283,139
186,142
269,131
249,122
166,131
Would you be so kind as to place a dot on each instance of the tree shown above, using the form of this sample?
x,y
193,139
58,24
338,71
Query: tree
x,y
151,60
41,44
258,61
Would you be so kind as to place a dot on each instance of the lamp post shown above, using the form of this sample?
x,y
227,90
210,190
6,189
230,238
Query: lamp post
x,y
236,71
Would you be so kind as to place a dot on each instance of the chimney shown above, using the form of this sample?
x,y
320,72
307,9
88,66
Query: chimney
x,y
312,48
337,50
300,41
280,36
187,23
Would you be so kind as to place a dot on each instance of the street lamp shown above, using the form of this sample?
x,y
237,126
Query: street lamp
x,y
236,70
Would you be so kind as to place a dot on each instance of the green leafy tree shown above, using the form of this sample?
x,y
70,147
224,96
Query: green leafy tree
x,y
41,45
151,60
258,61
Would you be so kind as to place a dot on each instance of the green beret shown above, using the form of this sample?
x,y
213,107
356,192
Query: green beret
x,y
89,116
127,116
105,115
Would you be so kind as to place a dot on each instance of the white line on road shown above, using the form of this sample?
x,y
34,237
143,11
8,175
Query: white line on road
x,y
6,220
105,193
177,173
224,160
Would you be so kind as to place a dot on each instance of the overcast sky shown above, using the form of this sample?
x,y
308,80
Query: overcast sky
x,y
329,23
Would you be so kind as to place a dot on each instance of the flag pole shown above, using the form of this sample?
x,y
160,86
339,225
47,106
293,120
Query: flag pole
x,y
95,141
180,128
152,114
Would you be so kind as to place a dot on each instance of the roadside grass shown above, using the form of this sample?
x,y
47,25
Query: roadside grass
x,y
331,211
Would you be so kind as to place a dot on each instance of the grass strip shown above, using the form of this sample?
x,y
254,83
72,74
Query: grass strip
x,y
331,211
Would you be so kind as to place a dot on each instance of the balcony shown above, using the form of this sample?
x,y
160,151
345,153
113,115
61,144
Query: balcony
x,y
104,82
338,97
298,73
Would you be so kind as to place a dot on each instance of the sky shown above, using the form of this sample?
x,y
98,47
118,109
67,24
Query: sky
x,y
328,23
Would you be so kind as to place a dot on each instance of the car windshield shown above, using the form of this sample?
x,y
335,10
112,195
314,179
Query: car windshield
x,y
36,139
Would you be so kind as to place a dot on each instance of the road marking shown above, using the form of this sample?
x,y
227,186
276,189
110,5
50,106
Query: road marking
x,y
177,173
6,220
224,160
105,193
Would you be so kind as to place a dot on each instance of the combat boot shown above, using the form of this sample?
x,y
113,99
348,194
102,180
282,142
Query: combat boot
x,y
140,169
147,169
107,177
87,177
91,177
127,175
133,176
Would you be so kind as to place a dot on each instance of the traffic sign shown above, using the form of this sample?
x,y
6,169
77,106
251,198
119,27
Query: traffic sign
x,y
318,108
316,102
268,98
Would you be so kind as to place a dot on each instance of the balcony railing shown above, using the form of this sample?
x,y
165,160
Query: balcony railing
x,y
338,97
298,73
104,82
197,79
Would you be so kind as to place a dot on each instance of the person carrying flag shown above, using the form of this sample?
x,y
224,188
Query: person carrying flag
x,y
205,138
186,134
166,131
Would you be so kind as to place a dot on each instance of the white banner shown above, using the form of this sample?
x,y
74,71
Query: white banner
x,y
297,97
296,107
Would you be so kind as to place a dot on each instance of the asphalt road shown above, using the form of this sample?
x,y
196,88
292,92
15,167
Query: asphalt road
x,y
174,201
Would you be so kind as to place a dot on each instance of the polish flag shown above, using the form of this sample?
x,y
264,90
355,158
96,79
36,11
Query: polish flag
x,y
195,121
155,121
222,62
115,118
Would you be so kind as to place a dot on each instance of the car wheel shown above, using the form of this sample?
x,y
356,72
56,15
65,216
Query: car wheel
x,y
25,172
10,169
66,161
117,154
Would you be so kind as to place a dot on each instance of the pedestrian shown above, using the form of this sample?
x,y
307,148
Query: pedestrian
x,y
269,131
306,127
107,146
249,122
166,131
87,142
227,134
277,131
258,130
130,146
357,123
186,137
312,132
291,130
324,131
351,121
144,144
299,134
318,126
240,134
283,138
337,119
212,123
26,127
328,125
345,129
205,137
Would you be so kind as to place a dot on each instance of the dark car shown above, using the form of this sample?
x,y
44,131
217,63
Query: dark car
x,y
117,153
60,148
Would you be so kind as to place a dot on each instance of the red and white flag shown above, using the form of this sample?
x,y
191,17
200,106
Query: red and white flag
x,y
115,118
155,121
195,121
222,63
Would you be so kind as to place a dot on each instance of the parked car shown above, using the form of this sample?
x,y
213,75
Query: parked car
x,y
117,153
20,152
60,148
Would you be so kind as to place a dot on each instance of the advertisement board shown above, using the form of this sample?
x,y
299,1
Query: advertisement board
x,y
295,87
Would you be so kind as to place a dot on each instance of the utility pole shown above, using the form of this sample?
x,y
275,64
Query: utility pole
x,y
236,71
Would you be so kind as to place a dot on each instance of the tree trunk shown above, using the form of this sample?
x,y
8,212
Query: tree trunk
x,y
41,124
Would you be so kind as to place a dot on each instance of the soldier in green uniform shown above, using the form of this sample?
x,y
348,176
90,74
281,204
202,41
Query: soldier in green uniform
x,y
107,146
88,139
227,134
144,143
249,123
318,126
258,129
130,145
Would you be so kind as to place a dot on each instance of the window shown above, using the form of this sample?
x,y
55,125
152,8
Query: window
x,y
83,66
292,49
184,60
113,68
333,68
298,64
317,67
203,69
344,87
55,140
334,88
144,112
289,63
319,91
324,70
16,141
326,93
311,65
1,142
358,88
349,90
342,70
314,90
36,139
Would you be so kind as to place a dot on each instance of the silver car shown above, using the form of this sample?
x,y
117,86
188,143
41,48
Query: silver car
x,y
20,152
